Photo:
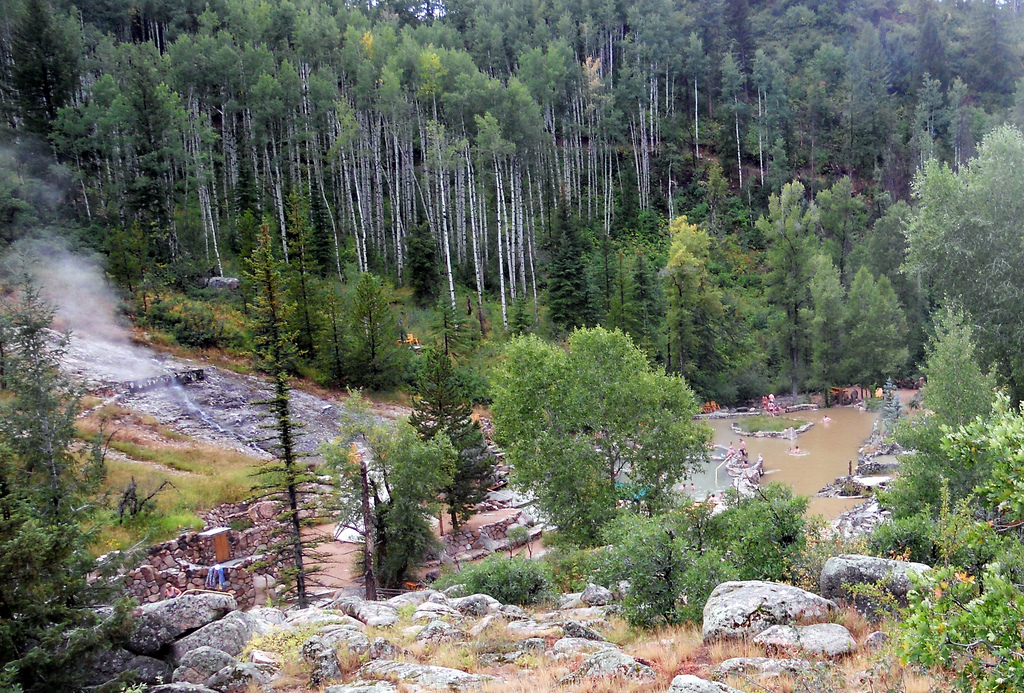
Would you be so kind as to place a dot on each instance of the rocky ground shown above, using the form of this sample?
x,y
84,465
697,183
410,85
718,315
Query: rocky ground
x,y
756,636
221,408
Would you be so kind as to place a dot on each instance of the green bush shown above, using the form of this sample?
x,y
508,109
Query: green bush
x,y
509,580
195,324
762,536
669,570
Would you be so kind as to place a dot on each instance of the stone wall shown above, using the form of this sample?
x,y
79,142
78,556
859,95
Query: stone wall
x,y
147,583
186,561
476,543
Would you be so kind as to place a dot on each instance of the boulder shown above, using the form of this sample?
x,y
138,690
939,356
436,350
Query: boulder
x,y
314,615
223,283
842,572
439,632
239,678
107,665
532,645
414,598
423,675
571,646
353,639
200,664
875,641
431,611
738,610
180,688
823,639
323,661
573,600
511,612
476,605
229,634
609,663
364,687
157,625
687,683
575,629
376,614
456,590
268,614
381,648
595,595
762,667
532,629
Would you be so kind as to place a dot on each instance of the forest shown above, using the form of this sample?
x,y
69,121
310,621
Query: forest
x,y
748,189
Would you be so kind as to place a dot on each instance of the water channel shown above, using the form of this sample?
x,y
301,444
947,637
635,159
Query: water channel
x,y
826,451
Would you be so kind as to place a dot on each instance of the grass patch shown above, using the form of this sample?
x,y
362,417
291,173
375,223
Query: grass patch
x,y
753,424
200,476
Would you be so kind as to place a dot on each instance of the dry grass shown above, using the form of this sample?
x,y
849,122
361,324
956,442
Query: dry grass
x,y
728,649
668,649
200,476
855,622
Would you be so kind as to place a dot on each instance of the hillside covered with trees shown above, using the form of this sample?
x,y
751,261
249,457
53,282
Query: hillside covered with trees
x,y
728,182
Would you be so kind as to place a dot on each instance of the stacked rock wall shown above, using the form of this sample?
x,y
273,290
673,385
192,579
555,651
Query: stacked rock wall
x,y
186,561
471,544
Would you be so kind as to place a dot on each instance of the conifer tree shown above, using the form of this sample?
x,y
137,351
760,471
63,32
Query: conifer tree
x,y
282,478
46,65
569,300
441,407
48,623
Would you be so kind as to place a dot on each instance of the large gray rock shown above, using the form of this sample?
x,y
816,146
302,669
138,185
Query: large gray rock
x,y
423,675
842,572
572,646
353,639
239,678
414,598
738,610
687,683
107,665
230,634
200,664
323,661
609,663
439,632
364,687
223,283
764,667
532,629
595,595
431,611
575,629
315,616
476,605
156,625
376,614
180,688
823,639
381,648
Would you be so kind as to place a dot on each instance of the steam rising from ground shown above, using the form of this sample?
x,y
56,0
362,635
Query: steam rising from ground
x,y
86,306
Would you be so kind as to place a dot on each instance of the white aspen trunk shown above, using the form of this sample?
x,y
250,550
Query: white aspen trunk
x,y
696,118
760,136
501,258
736,114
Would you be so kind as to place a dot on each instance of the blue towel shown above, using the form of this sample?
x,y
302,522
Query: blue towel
x,y
222,576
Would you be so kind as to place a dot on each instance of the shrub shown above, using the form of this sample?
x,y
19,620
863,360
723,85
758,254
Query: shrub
x,y
763,536
670,569
509,580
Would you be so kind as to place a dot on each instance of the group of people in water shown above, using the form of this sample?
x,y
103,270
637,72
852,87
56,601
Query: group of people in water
x,y
769,407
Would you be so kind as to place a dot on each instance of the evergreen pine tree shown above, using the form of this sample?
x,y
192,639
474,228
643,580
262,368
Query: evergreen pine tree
x,y
441,407
421,265
48,622
519,322
569,300
45,66
283,478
